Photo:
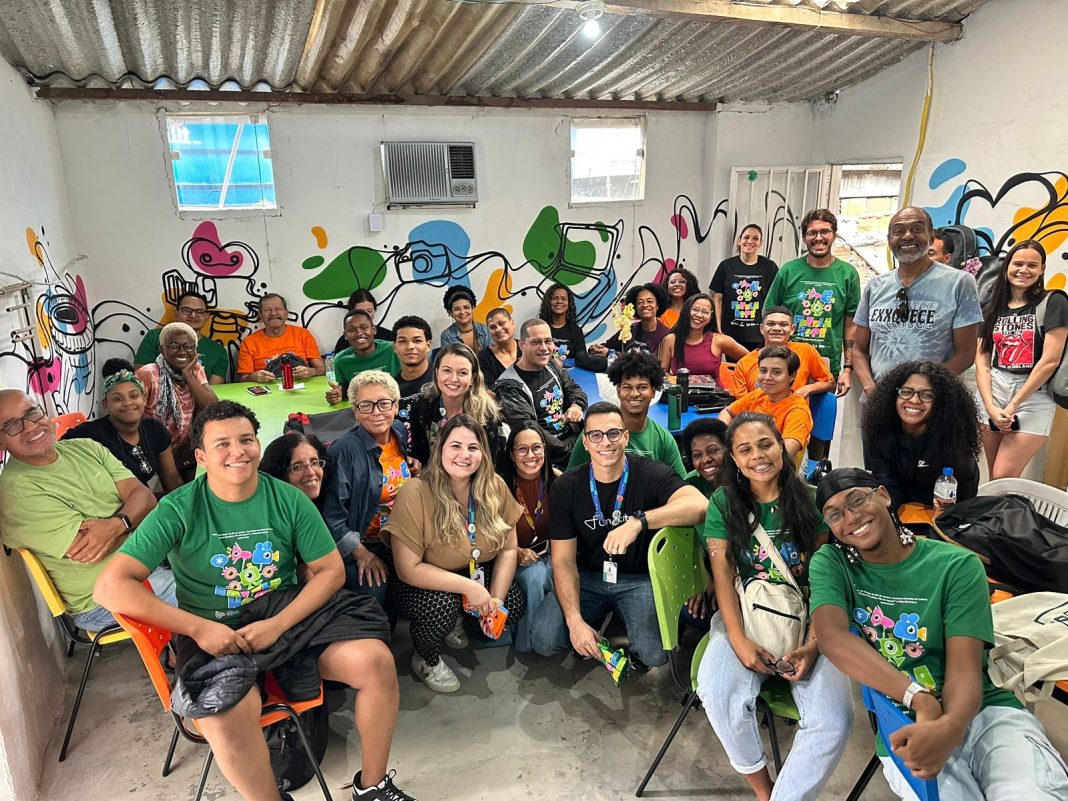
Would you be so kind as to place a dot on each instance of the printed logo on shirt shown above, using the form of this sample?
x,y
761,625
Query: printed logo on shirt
x,y
897,640
920,463
248,574
1014,341
552,404
921,316
616,520
764,568
746,303
815,319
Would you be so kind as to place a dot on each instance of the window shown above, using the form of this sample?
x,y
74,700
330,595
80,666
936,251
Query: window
x,y
221,162
607,160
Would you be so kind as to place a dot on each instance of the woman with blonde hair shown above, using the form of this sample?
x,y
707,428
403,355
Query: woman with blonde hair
x,y
458,388
453,537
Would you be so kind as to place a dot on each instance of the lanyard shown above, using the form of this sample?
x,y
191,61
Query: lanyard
x,y
598,515
539,510
471,565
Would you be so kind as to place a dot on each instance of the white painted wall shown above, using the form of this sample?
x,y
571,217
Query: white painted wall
x,y
34,195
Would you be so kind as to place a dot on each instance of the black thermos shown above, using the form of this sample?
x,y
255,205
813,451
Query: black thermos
x,y
682,378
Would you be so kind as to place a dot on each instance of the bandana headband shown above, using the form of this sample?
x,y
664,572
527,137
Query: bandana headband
x,y
120,377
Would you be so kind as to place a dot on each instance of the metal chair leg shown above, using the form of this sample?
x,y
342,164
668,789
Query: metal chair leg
x,y
170,753
204,775
773,736
691,701
865,777
93,651
309,753
70,648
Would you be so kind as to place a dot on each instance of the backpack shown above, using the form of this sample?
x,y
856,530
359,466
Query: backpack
x,y
1030,653
1058,382
289,761
774,615
1019,546
965,244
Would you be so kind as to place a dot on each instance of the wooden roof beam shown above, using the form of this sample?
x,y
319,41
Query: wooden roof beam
x,y
799,17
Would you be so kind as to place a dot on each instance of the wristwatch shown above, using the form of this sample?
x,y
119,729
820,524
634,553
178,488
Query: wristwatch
x,y
643,520
125,521
910,694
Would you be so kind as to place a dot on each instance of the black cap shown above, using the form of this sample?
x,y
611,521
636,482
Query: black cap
x,y
841,479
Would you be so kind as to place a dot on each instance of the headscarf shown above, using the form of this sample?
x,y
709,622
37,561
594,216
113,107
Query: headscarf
x,y
841,479
167,405
120,377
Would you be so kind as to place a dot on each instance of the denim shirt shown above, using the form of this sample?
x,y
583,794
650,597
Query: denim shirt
x,y
355,484
452,334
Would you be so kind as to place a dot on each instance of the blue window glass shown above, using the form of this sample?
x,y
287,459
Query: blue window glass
x,y
221,162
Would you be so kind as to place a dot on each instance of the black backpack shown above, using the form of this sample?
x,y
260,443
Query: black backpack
x,y
289,761
1020,547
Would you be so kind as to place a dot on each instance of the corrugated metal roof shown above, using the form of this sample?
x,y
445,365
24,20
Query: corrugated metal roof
x,y
443,47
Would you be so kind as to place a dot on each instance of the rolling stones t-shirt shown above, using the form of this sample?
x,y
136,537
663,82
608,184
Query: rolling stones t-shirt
x,y
1017,337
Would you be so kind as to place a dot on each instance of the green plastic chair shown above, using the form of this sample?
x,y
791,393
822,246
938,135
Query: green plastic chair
x,y
677,572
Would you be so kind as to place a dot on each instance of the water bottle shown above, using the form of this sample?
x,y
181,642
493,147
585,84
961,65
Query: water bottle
x,y
331,376
945,491
682,377
287,372
674,407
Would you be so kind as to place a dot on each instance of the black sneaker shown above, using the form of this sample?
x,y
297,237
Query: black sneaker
x,y
385,790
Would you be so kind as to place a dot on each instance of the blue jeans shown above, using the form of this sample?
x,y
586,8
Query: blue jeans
x,y
537,582
1005,754
162,581
631,598
728,691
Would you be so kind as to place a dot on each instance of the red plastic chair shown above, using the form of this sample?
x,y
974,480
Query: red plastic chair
x,y
152,640
65,422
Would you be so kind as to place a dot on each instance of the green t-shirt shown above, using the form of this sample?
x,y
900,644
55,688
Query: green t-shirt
x,y
42,507
907,610
754,561
212,354
347,364
224,555
695,479
820,299
653,442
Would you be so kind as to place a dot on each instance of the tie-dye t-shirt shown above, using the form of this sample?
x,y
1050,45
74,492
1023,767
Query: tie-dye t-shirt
x,y
395,472
908,610
820,299
225,555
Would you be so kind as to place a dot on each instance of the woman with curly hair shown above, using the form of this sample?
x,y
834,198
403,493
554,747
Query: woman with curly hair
x,y
1016,358
696,344
918,420
681,285
647,332
460,303
761,490
454,545
558,310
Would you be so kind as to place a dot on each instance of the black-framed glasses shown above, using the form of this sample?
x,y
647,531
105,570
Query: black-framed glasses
x,y
854,504
908,393
188,312
613,434
782,667
300,467
823,233
176,347
524,451
383,405
15,427
901,313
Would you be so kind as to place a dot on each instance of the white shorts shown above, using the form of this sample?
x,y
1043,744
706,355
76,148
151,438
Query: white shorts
x,y
1035,414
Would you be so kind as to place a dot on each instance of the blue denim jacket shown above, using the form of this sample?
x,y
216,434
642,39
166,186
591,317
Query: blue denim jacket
x,y
452,334
355,484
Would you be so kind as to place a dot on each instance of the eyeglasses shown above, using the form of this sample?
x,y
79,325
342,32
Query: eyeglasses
x,y
527,450
781,666
822,233
383,405
677,282
188,312
907,393
15,427
596,437
300,467
540,343
175,347
901,313
854,504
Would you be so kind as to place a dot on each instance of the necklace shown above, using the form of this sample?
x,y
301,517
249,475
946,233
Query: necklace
x,y
137,452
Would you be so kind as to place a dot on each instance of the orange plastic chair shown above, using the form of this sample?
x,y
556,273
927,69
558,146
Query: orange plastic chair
x,y
65,422
96,640
151,642
726,376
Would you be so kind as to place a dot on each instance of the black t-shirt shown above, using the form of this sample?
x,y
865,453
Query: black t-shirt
x,y
490,366
571,336
571,513
143,459
412,387
1017,337
744,287
548,397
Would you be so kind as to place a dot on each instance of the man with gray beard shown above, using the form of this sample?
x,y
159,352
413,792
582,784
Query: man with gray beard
x,y
921,310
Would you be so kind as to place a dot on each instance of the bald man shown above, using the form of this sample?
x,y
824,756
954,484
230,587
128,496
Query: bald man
x,y
71,503
921,310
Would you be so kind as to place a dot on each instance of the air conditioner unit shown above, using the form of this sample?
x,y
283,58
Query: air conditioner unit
x,y
429,173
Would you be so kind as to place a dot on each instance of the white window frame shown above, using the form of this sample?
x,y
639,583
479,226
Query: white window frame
x,y
638,121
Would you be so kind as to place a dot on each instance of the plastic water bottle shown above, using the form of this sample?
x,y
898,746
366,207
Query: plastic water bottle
x,y
331,376
945,491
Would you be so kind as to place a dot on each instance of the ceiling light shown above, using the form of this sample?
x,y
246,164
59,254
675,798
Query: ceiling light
x,y
590,11
592,28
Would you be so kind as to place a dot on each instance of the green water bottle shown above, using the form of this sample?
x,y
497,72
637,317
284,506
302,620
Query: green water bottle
x,y
674,407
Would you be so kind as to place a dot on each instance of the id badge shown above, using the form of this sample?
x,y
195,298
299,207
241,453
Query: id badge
x,y
479,575
609,572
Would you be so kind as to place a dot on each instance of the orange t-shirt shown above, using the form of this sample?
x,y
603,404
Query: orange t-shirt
x,y
257,349
669,318
791,415
813,368
395,472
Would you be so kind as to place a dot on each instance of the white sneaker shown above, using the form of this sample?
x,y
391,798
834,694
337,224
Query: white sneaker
x,y
438,678
457,638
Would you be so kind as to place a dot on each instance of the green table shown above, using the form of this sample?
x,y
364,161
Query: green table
x,y
273,410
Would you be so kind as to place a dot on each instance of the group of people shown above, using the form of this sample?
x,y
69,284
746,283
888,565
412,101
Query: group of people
x,y
479,493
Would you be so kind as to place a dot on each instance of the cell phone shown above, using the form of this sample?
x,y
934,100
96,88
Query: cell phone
x,y
1014,427
257,390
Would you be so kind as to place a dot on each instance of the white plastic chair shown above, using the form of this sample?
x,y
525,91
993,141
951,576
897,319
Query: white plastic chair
x,y
1047,500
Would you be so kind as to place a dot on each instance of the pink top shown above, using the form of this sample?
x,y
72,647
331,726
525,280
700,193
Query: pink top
x,y
179,431
700,360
